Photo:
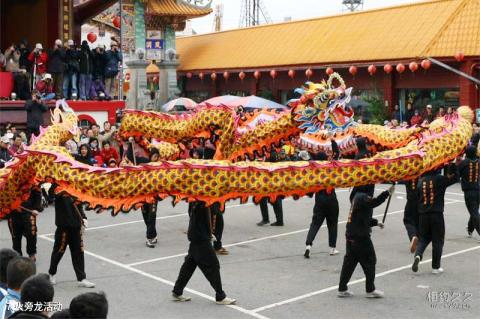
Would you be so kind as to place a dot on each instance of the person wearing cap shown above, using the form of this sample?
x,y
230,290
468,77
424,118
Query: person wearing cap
x,y
72,58
39,59
12,59
45,87
56,66
113,58
35,109
5,154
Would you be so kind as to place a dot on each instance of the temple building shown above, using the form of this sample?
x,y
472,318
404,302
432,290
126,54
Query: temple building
x,y
377,52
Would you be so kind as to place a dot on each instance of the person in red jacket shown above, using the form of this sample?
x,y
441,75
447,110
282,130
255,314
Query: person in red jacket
x,y
416,119
108,152
45,87
39,58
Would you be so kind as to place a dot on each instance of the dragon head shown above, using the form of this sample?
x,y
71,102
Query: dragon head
x,y
322,106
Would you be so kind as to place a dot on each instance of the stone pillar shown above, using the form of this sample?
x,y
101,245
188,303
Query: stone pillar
x,y
167,80
138,94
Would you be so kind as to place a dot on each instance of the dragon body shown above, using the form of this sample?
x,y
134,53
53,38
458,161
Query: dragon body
x,y
401,154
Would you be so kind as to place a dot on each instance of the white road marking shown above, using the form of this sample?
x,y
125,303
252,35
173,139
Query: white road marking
x,y
162,280
331,288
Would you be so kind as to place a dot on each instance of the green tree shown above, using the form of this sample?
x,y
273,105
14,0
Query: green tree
x,y
376,109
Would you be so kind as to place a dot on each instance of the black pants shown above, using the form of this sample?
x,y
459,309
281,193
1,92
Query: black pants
x,y
410,219
200,254
472,200
73,238
432,229
23,224
359,250
324,209
217,225
149,213
277,208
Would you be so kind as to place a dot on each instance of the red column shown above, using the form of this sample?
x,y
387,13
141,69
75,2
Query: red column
x,y
389,93
468,91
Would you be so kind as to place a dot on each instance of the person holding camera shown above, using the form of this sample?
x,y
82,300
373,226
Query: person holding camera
x,y
72,57
35,110
56,66
39,59
112,59
12,59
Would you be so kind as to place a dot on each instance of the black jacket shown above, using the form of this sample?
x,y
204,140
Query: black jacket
x,y
35,112
56,60
469,171
86,60
199,227
72,57
4,156
411,188
21,86
360,218
431,192
24,62
34,201
98,65
111,59
65,213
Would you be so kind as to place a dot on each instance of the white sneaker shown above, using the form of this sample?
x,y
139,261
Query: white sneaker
x,y
333,251
53,281
437,271
151,243
375,294
180,298
86,284
344,294
226,301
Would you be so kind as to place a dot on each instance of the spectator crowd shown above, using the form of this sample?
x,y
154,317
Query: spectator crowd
x,y
63,71
24,294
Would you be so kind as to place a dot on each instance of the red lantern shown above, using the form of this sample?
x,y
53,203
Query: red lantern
x,y
413,66
426,64
127,77
189,75
291,73
155,79
353,70
273,74
329,71
91,37
241,75
400,68
213,76
459,56
226,75
201,76
257,75
372,69
309,73
388,68
116,22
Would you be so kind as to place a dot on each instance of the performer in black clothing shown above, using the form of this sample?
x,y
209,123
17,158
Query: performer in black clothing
x,y
410,215
431,199
24,223
69,218
277,204
201,254
359,246
326,207
149,213
469,172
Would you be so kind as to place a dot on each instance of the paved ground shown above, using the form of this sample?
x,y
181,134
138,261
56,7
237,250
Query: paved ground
x,y
266,270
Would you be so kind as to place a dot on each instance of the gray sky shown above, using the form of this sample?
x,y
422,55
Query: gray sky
x,y
279,9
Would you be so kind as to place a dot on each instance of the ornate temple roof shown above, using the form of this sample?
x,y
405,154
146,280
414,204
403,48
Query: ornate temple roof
x,y
437,28
176,8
